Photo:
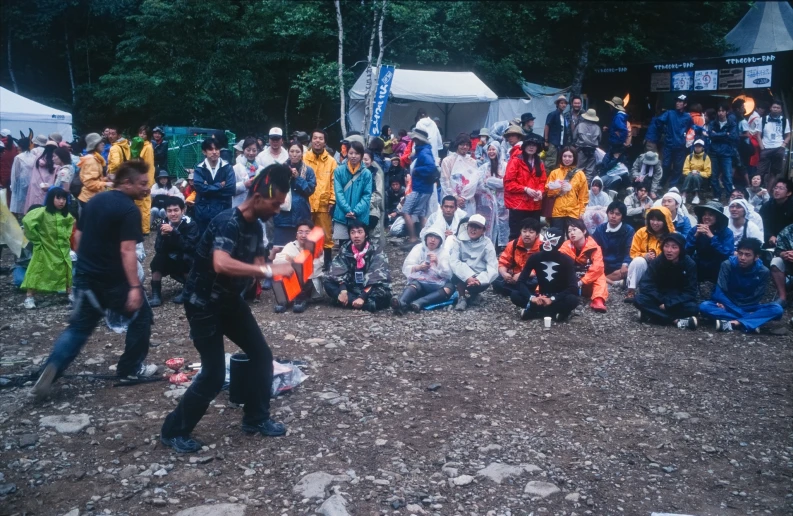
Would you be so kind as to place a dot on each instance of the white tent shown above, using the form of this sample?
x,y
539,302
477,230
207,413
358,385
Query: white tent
x,y
459,99
18,113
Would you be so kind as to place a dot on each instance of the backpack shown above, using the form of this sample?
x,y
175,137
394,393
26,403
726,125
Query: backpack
x,y
765,119
76,186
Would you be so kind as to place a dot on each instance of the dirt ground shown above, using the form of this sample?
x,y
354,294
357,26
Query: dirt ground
x,y
601,415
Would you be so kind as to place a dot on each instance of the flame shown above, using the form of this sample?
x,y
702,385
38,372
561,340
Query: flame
x,y
748,103
626,100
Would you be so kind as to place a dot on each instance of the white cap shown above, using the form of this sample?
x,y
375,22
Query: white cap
x,y
277,132
682,97
699,142
478,219
5,132
238,145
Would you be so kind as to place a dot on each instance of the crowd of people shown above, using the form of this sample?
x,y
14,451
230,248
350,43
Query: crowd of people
x,y
547,218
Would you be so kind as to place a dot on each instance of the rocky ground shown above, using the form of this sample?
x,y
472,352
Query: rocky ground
x,y
473,413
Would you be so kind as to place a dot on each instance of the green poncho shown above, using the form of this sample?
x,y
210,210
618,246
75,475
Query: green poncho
x,y
50,269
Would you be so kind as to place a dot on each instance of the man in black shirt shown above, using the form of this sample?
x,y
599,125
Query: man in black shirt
x,y
176,241
229,256
107,278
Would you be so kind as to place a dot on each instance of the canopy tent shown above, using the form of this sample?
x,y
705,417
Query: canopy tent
x,y
767,27
18,113
459,99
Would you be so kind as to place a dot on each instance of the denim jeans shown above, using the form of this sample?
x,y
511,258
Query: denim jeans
x,y
91,300
721,166
752,316
208,325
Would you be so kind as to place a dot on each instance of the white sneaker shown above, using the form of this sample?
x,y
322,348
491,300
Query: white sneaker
x,y
145,371
695,200
30,303
689,323
723,325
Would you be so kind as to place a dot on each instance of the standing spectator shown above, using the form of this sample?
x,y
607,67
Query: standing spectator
x,y
402,143
245,170
615,238
668,291
573,117
557,133
7,156
215,183
462,178
637,205
493,171
473,261
527,123
274,152
675,125
323,200
302,184
160,149
710,242
389,140
775,137
107,278
512,137
119,151
567,189
352,183
64,171
723,134
524,184
428,273
92,173
696,168
646,247
177,238
22,171
49,229
586,138
618,132
651,137
147,156
42,177
513,259
740,225
588,259
376,204
428,125
777,213
482,143
740,288
648,172
423,173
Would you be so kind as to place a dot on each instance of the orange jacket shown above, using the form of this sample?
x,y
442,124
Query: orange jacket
x,y
590,256
515,259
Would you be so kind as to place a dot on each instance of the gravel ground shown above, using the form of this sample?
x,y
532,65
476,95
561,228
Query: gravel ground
x,y
473,413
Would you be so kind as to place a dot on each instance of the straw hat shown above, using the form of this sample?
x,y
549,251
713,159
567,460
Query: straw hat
x,y
590,115
616,103
40,140
514,129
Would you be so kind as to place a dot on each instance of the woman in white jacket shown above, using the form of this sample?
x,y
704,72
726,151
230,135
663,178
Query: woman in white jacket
x,y
493,171
163,189
428,273
245,170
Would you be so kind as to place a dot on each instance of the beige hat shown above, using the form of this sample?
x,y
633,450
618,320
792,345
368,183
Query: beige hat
x,y
616,103
91,141
514,129
650,158
40,140
591,115
560,97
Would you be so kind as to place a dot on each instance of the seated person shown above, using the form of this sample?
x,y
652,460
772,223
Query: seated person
x,y
646,247
696,167
647,171
359,277
394,196
396,171
161,191
742,283
637,205
753,215
513,259
311,289
174,248
740,225
615,238
473,260
588,258
428,273
557,284
777,213
668,290
674,203
710,242
447,218
782,264
757,194
597,197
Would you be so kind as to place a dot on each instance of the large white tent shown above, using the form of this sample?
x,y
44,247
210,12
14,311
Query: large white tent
x,y
459,99
18,113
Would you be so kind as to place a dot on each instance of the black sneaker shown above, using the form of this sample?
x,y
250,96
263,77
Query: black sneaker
x,y
182,444
268,428
299,307
44,384
279,309
179,298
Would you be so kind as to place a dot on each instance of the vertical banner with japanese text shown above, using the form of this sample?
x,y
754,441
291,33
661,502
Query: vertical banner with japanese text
x,y
380,99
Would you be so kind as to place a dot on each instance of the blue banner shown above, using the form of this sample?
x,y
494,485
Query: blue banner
x,y
380,99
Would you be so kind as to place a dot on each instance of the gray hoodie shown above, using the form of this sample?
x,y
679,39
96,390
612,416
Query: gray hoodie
x,y
472,257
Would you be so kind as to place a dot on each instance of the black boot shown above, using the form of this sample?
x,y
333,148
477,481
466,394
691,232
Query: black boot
x,y
328,259
156,293
179,298
439,296
400,305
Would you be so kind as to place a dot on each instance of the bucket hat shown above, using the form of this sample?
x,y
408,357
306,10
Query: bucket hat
x,y
616,103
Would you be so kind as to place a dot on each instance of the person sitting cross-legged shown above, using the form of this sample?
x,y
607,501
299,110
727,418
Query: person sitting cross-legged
x,y
615,238
428,273
174,249
710,242
557,283
743,280
359,277
588,258
473,260
668,290
513,259
646,246
312,289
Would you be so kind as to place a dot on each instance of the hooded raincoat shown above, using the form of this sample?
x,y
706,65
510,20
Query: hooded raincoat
x,y
672,284
518,176
473,257
462,177
118,154
21,170
589,267
50,268
92,176
495,184
645,240
147,155
38,176
440,271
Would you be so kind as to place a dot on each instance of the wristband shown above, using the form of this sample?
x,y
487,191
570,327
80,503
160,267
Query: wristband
x,y
267,271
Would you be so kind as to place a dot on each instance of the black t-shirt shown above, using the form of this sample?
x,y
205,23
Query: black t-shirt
x,y
108,219
555,273
241,239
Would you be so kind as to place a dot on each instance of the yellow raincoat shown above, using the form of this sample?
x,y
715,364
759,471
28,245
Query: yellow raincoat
x,y
147,155
644,240
323,197
570,204
118,154
92,175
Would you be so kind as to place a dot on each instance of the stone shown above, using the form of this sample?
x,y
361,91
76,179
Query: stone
x,y
160,472
510,333
67,423
128,471
73,512
681,415
413,508
541,489
313,485
463,480
708,449
334,506
497,471
221,509
490,447
572,497
26,440
7,489
433,387
175,393
380,442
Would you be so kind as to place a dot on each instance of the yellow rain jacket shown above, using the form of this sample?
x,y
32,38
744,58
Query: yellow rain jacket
x,y
92,175
147,155
644,241
119,153
570,204
699,162
324,165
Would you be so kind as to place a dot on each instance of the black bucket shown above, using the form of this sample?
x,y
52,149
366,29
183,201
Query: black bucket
x,y
239,376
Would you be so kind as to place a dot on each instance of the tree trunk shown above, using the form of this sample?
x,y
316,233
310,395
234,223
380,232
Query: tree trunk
x,y
367,100
69,64
343,118
286,116
10,66
583,61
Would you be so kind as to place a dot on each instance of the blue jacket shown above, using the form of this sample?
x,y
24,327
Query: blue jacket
x,y
682,224
618,132
211,197
301,188
739,287
723,140
675,126
652,131
356,198
710,252
616,245
424,169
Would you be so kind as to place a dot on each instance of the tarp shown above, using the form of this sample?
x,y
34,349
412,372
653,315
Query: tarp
x,y
767,27
18,113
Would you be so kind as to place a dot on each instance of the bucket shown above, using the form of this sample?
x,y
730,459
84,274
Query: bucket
x,y
239,376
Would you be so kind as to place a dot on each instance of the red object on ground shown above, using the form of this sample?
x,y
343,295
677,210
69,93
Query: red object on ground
x,y
178,378
175,363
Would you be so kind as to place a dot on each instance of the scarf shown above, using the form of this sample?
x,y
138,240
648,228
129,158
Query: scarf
x,y
252,167
359,256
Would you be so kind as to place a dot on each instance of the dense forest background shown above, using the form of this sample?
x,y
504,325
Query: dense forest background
x,y
245,65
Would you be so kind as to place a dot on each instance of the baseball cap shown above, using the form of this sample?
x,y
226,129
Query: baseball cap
x,y
276,132
682,97
699,142
5,132
477,219
158,129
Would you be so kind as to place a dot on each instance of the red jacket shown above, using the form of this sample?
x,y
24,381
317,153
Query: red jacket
x,y
517,178
6,161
